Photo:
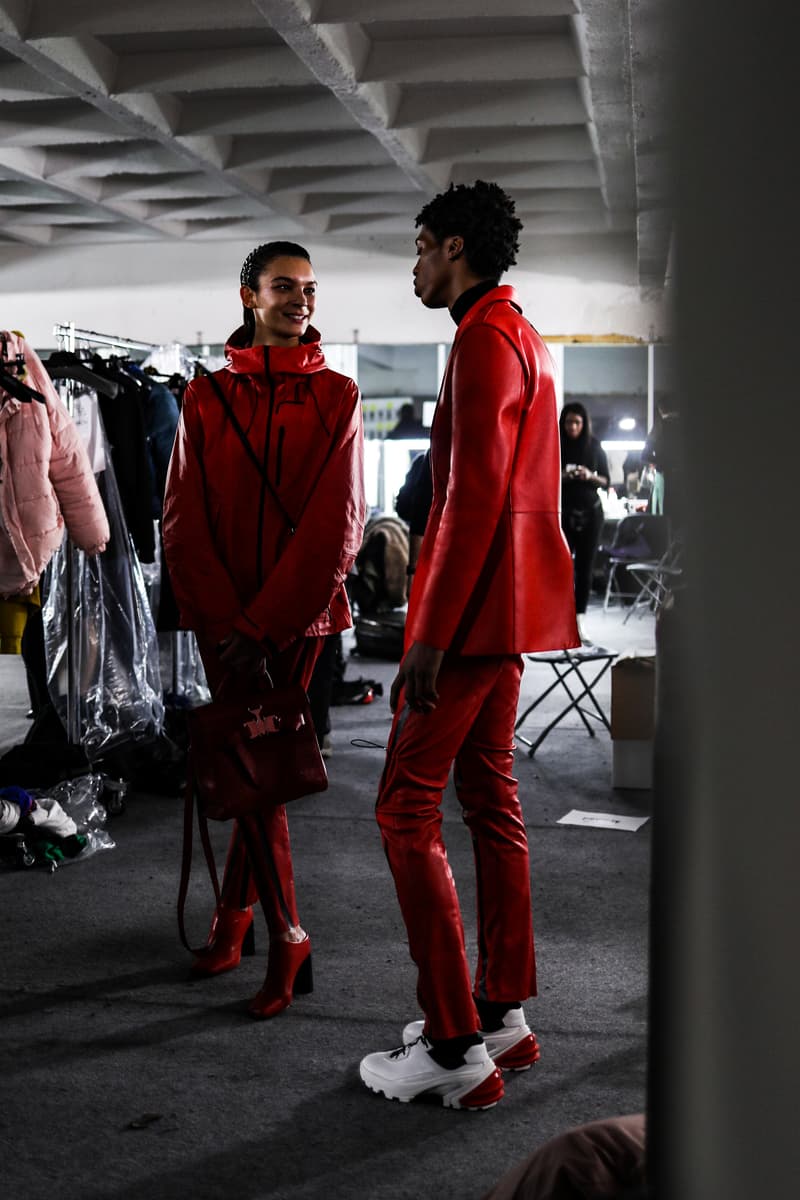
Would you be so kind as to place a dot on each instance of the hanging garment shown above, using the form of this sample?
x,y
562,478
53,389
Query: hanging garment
x,y
160,412
103,619
46,481
123,421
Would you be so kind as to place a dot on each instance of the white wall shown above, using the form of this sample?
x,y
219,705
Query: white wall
x,y
178,291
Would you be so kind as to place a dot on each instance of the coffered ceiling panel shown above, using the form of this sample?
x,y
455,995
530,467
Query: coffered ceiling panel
x,y
250,119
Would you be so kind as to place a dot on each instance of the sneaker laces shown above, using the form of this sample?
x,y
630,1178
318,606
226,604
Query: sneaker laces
x,y
402,1051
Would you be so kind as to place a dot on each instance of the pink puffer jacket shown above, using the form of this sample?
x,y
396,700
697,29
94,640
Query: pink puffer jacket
x,y
46,481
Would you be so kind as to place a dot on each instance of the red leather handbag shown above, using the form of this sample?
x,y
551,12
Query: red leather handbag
x,y
254,750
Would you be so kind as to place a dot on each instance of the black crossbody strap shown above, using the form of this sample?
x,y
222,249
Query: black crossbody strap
x,y
186,858
251,454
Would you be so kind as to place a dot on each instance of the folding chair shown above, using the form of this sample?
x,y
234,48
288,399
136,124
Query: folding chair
x,y
642,538
567,664
655,581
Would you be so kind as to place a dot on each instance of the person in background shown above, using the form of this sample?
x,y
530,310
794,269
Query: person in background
x,y
263,517
409,425
413,504
584,469
493,580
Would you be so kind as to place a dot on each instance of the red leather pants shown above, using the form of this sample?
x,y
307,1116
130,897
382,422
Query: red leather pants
x,y
259,862
473,727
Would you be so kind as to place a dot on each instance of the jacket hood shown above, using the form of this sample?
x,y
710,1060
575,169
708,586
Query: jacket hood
x,y
244,359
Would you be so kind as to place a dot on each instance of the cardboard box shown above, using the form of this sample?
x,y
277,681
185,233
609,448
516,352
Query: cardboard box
x,y
632,763
633,698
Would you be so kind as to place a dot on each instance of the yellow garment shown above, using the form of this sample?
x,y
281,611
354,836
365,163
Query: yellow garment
x,y
13,619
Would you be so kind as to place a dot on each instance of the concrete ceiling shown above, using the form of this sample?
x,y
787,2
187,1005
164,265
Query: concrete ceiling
x,y
198,120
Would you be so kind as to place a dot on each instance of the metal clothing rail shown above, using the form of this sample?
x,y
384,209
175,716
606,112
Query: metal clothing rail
x,y
70,335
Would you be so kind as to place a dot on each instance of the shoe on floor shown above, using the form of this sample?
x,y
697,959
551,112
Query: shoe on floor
x,y
326,749
409,1072
512,1048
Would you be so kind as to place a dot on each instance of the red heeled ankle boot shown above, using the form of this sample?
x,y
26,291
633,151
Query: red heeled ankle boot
x,y
232,935
288,974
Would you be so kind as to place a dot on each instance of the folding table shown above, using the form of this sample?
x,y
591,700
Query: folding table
x,y
566,663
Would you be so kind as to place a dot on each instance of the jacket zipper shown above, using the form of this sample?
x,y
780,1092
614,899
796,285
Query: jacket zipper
x,y
260,545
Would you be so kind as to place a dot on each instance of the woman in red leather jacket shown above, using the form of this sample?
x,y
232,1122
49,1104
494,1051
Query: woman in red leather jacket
x,y
263,517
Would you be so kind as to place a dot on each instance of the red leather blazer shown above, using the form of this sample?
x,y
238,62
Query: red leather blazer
x,y
233,562
494,574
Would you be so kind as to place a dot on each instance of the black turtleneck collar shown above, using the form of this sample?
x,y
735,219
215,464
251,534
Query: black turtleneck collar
x,y
466,300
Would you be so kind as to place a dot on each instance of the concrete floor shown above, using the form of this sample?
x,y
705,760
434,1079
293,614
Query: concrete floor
x,y
122,1078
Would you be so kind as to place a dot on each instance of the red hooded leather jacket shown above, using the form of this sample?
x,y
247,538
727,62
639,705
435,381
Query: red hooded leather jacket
x,y
233,561
494,574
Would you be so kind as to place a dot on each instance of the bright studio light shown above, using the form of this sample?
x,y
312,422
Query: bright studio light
x,y
627,423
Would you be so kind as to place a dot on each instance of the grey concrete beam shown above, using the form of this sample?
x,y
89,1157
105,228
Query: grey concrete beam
x,y
162,187
58,214
32,166
87,70
602,39
318,150
533,175
407,203
349,179
568,144
446,60
18,82
52,18
435,10
335,55
41,235
551,102
57,124
653,59
15,17
299,111
208,70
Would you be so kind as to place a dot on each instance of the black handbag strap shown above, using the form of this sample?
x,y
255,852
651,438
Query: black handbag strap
x,y
251,454
186,858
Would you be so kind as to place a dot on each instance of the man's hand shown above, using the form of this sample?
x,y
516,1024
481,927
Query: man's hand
x,y
240,654
417,673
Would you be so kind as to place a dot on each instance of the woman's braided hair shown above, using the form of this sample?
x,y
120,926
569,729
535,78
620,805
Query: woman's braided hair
x,y
483,215
257,262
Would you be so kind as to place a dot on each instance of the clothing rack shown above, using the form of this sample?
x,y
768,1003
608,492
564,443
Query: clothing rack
x,y
67,336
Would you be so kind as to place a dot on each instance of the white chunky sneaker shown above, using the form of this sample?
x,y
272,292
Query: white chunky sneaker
x,y
513,1048
409,1071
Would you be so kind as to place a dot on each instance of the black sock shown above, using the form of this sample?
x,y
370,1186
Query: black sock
x,y
491,1013
449,1052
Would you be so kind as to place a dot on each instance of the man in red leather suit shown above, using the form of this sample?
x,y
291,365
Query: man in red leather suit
x,y
493,580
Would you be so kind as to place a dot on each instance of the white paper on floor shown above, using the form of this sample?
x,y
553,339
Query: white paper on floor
x,y
602,820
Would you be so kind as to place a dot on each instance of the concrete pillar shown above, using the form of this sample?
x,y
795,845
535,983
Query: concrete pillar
x,y
726,1048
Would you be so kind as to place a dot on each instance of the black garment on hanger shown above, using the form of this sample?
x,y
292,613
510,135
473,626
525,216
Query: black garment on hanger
x,y
63,364
123,422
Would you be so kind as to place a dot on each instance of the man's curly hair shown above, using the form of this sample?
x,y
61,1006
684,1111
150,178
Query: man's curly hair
x,y
483,215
